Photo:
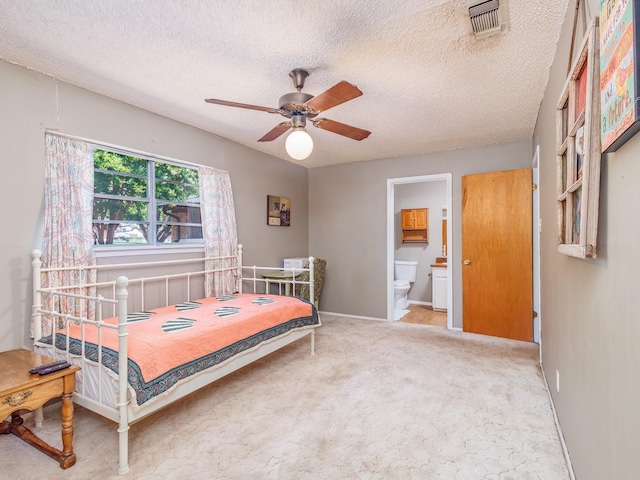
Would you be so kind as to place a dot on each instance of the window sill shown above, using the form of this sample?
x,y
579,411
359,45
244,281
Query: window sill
x,y
127,251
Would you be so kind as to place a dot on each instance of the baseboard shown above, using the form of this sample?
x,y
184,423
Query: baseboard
x,y
417,302
359,317
565,450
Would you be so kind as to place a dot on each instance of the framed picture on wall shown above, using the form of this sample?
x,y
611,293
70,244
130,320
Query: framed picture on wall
x,y
278,211
619,79
578,152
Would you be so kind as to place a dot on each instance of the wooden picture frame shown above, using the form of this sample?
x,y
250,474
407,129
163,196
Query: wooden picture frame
x,y
579,151
278,211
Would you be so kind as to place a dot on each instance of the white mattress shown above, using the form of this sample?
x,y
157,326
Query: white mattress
x,y
94,382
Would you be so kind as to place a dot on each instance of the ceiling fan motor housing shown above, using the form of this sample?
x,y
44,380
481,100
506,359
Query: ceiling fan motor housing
x,y
294,103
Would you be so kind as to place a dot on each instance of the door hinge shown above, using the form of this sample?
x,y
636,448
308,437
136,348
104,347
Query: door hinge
x,y
535,314
534,186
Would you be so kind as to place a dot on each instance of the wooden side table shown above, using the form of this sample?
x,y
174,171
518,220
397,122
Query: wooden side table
x,y
21,390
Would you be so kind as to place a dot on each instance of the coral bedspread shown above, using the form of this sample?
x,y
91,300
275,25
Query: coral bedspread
x,y
168,344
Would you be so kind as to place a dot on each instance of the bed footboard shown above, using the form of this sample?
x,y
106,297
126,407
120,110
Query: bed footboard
x,y
53,341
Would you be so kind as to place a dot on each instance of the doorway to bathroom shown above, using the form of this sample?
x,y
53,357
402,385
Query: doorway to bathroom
x,y
433,192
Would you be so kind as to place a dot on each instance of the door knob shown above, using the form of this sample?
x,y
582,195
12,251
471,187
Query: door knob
x,y
467,262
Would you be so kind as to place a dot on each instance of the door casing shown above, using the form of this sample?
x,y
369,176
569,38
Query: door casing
x,y
391,183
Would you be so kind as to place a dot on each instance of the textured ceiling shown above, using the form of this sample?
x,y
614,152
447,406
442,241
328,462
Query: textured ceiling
x,y
427,83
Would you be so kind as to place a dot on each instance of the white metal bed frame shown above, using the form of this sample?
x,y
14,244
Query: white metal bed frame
x,y
122,412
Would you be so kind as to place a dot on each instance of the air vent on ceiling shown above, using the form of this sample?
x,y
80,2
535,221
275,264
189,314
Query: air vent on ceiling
x,y
487,18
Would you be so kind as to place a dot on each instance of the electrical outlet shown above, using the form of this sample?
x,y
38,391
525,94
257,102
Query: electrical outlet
x,y
557,381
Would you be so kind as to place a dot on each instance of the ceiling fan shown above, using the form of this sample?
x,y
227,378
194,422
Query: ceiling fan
x,y
300,107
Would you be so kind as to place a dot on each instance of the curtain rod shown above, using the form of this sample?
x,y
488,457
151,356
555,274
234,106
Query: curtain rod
x,y
118,147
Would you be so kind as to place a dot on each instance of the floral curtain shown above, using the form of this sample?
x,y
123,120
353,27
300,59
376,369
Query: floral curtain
x,y
218,230
68,235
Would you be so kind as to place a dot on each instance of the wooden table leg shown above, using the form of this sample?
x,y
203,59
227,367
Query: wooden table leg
x,y
67,457
16,418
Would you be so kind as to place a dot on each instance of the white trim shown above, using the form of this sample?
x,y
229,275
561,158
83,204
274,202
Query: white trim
x,y
416,302
536,223
565,450
129,251
358,317
391,183
125,150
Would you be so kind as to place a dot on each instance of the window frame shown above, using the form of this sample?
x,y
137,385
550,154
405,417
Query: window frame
x,y
578,196
152,221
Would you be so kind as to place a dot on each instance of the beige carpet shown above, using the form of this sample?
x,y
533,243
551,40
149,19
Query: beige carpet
x,y
378,401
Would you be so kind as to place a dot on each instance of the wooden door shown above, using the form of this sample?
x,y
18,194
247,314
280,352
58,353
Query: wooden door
x,y
497,276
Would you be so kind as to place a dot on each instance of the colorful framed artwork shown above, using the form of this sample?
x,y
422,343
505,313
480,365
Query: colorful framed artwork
x,y
278,211
619,80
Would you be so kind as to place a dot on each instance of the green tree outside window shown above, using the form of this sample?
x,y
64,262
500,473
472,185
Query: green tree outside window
x,y
134,196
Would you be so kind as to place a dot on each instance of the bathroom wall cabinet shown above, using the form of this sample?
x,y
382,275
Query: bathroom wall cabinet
x,y
439,289
415,225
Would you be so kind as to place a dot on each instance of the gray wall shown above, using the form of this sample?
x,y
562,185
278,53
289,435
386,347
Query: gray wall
x,y
589,314
32,102
348,226
431,195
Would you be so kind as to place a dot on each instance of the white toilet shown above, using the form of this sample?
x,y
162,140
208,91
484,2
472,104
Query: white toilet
x,y
404,275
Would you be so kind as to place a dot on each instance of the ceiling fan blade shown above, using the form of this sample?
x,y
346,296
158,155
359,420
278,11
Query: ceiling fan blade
x,y
339,93
341,128
243,105
276,131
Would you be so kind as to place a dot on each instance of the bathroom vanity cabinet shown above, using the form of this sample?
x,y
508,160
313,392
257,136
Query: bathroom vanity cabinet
x,y
415,225
439,288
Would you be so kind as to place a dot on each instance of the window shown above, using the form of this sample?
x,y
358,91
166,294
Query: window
x,y
578,152
144,201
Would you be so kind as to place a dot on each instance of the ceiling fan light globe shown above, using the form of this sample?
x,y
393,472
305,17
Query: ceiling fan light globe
x,y
299,144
